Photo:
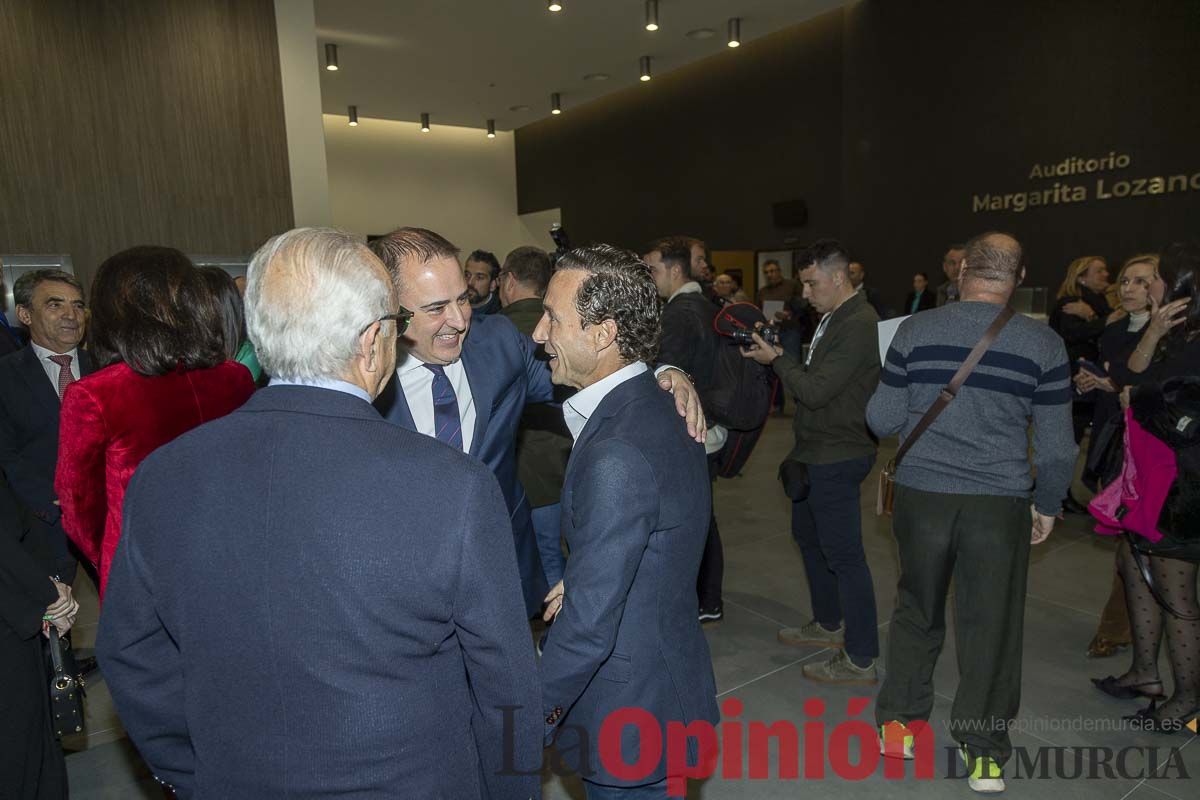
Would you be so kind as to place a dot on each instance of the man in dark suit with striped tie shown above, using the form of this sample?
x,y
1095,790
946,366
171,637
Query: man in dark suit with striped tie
x,y
50,303
469,391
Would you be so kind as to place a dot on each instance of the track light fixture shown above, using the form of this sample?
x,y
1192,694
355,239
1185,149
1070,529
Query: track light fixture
x,y
553,5
425,122
491,129
735,32
645,62
353,114
555,103
651,15
331,57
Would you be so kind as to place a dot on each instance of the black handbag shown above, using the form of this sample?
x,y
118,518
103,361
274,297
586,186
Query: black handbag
x,y
793,475
66,687
1106,453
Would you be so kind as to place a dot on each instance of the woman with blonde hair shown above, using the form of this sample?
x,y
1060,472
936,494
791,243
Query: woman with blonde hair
x,y
1079,317
1136,282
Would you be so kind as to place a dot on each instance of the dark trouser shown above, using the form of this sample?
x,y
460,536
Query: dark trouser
x,y
712,565
982,542
828,528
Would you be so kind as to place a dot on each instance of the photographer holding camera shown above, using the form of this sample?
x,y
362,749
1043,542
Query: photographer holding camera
x,y
832,385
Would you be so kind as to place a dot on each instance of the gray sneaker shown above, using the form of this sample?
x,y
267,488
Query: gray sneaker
x,y
814,634
840,669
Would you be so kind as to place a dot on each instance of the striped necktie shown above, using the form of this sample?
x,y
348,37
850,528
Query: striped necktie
x,y
447,424
65,376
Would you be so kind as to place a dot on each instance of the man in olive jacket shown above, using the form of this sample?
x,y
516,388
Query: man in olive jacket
x,y
832,385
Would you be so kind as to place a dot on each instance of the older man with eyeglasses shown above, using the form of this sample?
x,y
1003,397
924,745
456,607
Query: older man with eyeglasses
x,y
301,604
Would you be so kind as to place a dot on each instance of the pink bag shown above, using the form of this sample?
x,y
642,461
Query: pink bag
x,y
1135,499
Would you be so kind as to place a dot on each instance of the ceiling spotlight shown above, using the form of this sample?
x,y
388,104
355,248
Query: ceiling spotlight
x,y
596,76
353,113
425,123
518,108
491,129
553,5
651,15
645,62
735,31
555,103
701,33
331,57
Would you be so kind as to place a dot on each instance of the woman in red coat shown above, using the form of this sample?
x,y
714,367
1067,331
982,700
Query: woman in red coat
x,y
167,373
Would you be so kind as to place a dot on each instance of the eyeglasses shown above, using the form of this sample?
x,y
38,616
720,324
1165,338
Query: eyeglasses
x,y
401,318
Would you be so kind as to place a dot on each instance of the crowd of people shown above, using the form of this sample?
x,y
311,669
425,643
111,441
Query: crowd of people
x,y
323,503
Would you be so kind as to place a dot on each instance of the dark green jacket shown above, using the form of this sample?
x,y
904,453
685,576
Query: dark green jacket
x,y
832,392
543,441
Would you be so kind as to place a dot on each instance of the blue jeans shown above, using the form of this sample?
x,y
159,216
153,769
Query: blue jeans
x,y
547,529
595,791
828,528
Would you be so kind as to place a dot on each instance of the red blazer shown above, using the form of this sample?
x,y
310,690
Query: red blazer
x,y
114,418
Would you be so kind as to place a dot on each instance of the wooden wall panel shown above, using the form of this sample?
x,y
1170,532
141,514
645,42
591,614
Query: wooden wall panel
x,y
126,122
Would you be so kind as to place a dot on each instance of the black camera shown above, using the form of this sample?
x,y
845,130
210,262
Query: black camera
x,y
769,334
561,243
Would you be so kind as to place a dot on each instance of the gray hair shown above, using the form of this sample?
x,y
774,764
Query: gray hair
x,y
310,293
26,285
618,287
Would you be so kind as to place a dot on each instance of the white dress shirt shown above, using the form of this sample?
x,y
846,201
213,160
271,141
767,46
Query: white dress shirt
x,y
417,384
53,369
579,408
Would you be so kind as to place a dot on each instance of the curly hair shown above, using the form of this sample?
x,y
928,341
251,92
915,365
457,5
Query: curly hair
x,y
620,288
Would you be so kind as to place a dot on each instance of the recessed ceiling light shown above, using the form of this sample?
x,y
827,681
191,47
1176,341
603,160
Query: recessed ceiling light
x,y
518,108
596,76
701,33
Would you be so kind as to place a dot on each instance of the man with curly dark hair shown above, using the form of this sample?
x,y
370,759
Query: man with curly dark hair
x,y
635,513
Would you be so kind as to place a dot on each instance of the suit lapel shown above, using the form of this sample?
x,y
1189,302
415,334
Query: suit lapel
x,y
482,392
40,388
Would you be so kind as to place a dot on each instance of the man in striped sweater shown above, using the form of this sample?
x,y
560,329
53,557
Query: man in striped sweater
x,y
963,499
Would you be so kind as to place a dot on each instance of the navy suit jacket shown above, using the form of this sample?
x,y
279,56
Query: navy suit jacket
x,y
304,604
504,375
635,512
29,408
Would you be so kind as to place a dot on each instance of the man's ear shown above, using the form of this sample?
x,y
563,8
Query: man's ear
x,y
366,347
24,315
604,335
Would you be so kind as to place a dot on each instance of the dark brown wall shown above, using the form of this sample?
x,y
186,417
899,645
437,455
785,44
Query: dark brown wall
x,y
887,117
126,122
705,149
947,100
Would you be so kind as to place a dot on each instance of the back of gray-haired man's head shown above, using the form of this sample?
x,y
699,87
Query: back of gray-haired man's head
x,y
827,255
993,257
310,293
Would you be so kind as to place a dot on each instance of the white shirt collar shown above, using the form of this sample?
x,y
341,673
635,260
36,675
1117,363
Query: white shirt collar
x,y
411,362
691,287
43,354
333,384
578,409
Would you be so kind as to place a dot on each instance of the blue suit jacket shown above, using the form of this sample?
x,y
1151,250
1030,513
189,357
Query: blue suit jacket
x,y
635,511
304,605
504,375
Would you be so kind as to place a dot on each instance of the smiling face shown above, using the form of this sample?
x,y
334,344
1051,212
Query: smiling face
x,y
572,349
480,285
1135,286
436,292
55,316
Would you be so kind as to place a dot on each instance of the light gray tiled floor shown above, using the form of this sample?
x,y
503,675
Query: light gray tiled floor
x,y
765,589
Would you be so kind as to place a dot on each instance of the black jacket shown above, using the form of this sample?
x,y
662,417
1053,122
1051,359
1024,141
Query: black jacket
x,y
689,340
1082,337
